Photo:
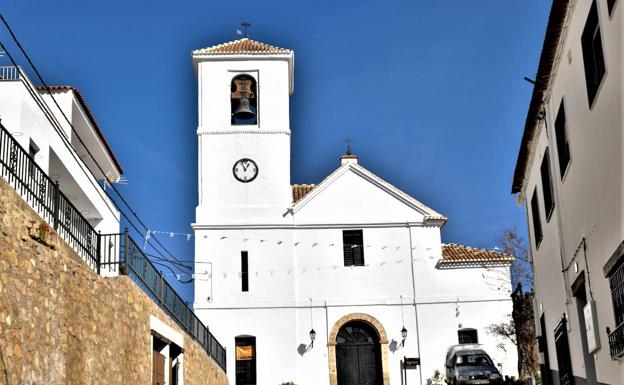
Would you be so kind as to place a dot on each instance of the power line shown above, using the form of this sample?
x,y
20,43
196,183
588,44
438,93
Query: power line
x,y
32,65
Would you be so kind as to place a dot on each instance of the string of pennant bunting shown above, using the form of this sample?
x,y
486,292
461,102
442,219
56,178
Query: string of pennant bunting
x,y
267,241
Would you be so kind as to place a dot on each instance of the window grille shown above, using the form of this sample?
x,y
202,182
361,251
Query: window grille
x,y
468,336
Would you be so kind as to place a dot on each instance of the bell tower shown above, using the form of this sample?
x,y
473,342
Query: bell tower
x,y
243,132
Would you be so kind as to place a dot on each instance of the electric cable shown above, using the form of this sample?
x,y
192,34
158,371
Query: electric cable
x,y
47,88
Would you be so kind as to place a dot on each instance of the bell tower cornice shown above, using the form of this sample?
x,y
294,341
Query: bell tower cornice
x,y
243,50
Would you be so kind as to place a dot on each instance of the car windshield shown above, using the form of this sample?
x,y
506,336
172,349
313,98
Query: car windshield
x,y
473,359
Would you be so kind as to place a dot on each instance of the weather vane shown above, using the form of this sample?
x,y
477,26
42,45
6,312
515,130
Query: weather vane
x,y
243,32
348,141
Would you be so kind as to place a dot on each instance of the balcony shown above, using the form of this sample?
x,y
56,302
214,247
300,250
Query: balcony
x,y
9,73
105,254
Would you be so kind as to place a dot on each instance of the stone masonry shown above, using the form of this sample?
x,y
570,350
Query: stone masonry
x,y
61,323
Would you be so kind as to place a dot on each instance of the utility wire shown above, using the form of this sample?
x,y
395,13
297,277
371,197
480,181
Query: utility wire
x,y
47,88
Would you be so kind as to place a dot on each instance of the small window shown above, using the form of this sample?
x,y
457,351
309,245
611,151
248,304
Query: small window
x,y
245,360
244,271
33,150
244,100
468,336
537,225
353,246
593,57
563,147
547,188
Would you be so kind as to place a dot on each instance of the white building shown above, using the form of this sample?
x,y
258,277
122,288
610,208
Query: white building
x,y
569,173
31,117
352,258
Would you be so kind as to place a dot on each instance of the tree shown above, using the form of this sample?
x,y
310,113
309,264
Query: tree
x,y
519,329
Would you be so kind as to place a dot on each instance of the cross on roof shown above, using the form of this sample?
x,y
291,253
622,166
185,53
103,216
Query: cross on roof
x,y
348,141
245,25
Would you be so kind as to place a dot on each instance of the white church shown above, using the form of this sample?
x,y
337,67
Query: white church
x,y
334,283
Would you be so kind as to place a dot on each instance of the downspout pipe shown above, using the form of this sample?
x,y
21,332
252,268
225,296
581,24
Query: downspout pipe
x,y
409,228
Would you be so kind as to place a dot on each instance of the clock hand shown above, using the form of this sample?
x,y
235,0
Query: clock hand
x,y
245,165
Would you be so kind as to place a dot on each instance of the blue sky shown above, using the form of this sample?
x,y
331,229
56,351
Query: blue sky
x,y
432,93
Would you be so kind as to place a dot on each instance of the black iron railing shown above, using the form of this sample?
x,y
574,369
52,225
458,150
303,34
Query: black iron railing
x,y
99,251
616,342
137,265
20,170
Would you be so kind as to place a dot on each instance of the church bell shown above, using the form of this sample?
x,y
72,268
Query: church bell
x,y
243,111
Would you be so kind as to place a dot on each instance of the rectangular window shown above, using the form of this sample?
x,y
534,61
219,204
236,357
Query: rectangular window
x,y
537,225
543,347
563,147
593,57
468,336
616,282
244,271
33,150
245,360
563,353
353,246
547,188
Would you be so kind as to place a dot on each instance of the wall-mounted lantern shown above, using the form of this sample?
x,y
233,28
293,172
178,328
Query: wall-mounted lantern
x,y
403,336
312,337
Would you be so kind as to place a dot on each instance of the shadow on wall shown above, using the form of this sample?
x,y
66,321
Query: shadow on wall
x,y
303,349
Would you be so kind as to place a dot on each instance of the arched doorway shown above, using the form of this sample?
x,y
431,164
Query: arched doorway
x,y
375,330
358,355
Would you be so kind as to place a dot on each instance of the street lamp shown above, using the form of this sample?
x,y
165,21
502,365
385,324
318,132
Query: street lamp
x,y
312,337
403,335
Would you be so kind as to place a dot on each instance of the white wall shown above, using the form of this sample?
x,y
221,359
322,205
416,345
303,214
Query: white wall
x,y
221,144
589,198
291,264
25,120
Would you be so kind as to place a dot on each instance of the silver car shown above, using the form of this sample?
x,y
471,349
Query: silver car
x,y
469,364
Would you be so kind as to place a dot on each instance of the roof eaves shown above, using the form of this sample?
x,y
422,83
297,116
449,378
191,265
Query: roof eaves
x,y
558,13
91,118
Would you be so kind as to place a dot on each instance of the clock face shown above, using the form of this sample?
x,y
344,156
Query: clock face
x,y
245,170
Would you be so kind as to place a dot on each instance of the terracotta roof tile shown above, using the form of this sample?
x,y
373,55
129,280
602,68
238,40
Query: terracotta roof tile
x,y
301,190
86,109
241,46
453,253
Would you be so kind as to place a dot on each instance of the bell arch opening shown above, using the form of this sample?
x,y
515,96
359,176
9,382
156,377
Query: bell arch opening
x,y
244,100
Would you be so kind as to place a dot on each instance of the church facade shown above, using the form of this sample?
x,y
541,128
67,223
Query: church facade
x,y
332,283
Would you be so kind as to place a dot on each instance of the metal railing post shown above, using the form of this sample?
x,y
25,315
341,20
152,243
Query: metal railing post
x,y
124,267
57,202
98,251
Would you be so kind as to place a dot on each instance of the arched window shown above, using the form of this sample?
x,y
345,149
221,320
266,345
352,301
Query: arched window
x,y
244,100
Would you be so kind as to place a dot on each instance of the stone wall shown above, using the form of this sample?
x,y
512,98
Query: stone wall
x,y
61,323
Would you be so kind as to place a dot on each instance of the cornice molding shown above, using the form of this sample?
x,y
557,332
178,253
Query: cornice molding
x,y
250,130
241,226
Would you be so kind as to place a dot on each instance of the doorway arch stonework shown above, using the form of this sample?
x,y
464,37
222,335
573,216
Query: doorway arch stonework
x,y
383,341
